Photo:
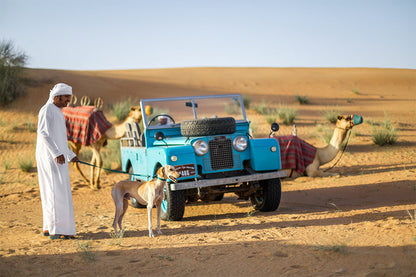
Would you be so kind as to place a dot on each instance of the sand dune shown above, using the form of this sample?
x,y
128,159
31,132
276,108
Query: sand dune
x,y
361,223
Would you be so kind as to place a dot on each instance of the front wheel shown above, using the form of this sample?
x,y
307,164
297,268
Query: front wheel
x,y
173,204
268,198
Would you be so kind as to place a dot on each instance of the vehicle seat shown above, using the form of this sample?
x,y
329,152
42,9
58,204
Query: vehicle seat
x,y
136,132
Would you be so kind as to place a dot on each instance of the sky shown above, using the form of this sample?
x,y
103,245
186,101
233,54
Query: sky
x,y
105,34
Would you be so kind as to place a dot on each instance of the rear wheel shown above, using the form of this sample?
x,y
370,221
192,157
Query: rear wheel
x,y
173,204
268,198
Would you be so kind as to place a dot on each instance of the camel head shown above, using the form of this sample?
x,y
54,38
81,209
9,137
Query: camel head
x,y
135,114
346,122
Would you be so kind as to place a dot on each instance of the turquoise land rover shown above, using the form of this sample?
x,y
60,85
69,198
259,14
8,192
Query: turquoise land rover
x,y
207,140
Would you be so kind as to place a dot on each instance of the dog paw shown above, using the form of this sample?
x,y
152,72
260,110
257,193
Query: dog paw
x,y
151,235
159,232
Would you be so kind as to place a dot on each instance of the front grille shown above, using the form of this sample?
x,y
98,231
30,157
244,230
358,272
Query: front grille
x,y
221,153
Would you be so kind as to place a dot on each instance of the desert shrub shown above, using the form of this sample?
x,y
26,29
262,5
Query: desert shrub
x,y
331,115
287,115
31,127
12,64
7,164
111,155
271,118
25,164
264,109
302,99
384,134
246,102
85,250
121,109
232,108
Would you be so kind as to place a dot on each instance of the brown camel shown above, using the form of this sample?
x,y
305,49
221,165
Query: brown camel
x,y
114,132
326,154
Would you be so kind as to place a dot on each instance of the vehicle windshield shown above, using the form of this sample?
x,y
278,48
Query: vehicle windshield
x,y
170,111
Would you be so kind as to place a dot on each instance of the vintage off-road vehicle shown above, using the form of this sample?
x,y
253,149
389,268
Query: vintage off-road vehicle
x,y
207,140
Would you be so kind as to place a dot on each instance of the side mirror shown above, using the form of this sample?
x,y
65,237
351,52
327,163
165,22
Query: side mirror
x,y
159,136
275,127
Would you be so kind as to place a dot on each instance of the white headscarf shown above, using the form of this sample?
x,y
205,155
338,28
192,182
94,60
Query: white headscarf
x,y
59,89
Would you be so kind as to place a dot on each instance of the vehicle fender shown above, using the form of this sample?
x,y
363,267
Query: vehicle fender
x,y
265,154
184,154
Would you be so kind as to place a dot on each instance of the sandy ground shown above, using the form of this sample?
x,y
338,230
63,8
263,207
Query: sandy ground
x,y
361,223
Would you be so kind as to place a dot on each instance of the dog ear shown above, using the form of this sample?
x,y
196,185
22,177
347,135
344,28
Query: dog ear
x,y
161,171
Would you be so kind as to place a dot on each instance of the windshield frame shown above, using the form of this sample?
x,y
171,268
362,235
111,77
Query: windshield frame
x,y
193,100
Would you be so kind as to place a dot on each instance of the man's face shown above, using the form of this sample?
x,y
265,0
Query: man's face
x,y
62,100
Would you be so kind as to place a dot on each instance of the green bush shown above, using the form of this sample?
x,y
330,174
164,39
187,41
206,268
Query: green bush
x,y
246,102
25,164
121,109
384,134
12,65
302,99
287,115
271,118
331,115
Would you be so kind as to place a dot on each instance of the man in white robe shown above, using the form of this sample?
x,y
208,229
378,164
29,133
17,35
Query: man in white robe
x,y
52,157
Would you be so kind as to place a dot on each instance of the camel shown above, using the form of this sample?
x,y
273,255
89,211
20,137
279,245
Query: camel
x,y
327,153
114,132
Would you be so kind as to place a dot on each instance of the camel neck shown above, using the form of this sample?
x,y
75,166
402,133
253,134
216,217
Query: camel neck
x,y
337,138
329,152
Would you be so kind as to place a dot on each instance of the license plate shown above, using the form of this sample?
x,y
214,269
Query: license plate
x,y
186,170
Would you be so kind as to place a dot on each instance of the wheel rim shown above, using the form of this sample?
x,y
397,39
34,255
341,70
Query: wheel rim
x,y
259,200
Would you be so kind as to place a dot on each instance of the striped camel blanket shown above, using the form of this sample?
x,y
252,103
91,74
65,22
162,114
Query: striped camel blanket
x,y
85,124
295,153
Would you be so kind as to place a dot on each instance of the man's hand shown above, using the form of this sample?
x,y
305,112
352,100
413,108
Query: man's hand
x,y
60,159
74,159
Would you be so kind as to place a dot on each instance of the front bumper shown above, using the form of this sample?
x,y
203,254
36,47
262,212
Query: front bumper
x,y
228,180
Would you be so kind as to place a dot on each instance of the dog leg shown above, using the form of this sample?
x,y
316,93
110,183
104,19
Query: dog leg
x,y
158,211
149,218
119,210
125,206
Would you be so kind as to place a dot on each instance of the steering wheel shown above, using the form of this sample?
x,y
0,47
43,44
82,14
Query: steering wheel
x,y
152,122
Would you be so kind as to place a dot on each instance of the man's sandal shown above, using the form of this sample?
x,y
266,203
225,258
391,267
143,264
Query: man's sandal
x,y
57,236
45,233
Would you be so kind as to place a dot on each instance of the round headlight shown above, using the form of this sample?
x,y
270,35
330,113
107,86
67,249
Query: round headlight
x,y
200,147
240,143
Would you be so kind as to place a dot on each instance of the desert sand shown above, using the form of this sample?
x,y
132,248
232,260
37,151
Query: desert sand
x,y
360,223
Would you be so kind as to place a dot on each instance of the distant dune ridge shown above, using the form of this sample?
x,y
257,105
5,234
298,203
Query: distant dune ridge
x,y
279,84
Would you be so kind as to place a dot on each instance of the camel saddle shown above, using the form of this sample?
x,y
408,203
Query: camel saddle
x,y
84,124
295,153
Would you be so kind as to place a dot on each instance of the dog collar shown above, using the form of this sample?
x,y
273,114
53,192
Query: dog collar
x,y
161,179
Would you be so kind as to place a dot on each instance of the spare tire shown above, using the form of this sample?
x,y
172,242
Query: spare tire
x,y
208,127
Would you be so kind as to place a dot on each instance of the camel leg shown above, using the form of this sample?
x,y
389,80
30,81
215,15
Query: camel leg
x,y
76,147
95,171
313,170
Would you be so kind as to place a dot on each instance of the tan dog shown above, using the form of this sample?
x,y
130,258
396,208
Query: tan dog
x,y
149,193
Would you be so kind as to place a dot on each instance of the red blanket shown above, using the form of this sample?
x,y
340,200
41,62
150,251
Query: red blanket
x,y
85,124
295,153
